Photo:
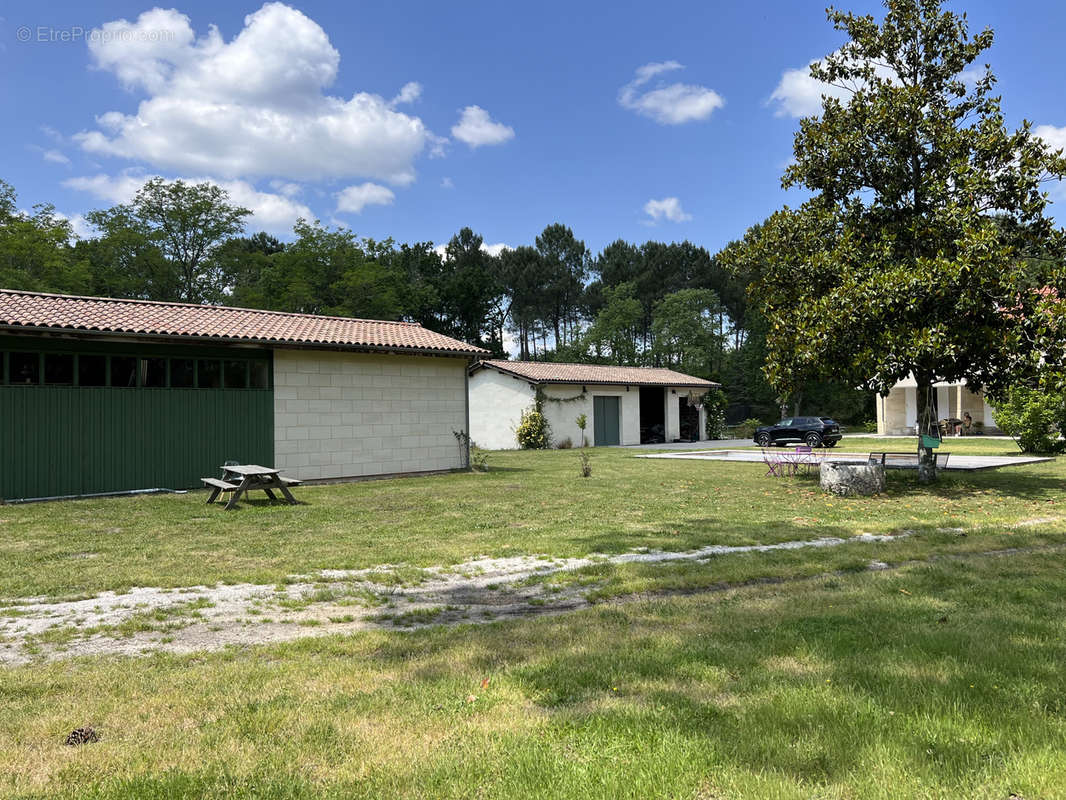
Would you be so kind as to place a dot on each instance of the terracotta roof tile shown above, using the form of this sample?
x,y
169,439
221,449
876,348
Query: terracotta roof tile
x,y
550,372
184,320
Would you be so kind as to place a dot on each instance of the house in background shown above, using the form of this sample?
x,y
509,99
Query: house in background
x,y
623,405
897,414
104,395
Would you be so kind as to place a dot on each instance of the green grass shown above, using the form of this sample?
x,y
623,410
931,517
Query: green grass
x,y
529,503
784,674
933,681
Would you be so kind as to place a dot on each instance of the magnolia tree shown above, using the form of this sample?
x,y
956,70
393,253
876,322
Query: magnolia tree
x,y
925,241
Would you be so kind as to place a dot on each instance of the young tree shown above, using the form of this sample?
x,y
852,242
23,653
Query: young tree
x,y
910,258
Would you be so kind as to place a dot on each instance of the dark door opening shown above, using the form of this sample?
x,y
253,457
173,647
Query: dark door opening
x,y
689,419
652,414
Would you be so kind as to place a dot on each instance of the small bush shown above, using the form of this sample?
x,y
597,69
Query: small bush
x,y
746,429
586,465
582,421
479,459
1032,418
533,431
870,426
565,444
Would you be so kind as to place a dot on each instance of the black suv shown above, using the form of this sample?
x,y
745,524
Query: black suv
x,y
814,431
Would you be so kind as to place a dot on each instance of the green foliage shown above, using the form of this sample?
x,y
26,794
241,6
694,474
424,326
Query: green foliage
x,y
688,331
35,249
746,429
896,266
479,459
564,444
582,423
533,431
612,338
715,403
586,464
1032,417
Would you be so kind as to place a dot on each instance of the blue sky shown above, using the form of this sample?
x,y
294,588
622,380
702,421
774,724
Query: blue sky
x,y
625,120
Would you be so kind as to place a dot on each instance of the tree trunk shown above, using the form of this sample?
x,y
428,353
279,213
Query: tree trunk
x,y
926,426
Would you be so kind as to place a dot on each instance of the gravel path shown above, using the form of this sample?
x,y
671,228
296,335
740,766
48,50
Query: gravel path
x,y
149,619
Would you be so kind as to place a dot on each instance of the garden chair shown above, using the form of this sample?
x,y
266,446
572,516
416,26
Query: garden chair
x,y
775,465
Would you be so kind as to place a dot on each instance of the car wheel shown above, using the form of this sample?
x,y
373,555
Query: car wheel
x,y
831,444
762,439
814,440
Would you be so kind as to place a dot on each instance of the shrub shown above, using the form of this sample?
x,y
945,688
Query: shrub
x,y
565,444
715,402
746,429
582,421
586,465
533,431
479,459
870,426
1032,418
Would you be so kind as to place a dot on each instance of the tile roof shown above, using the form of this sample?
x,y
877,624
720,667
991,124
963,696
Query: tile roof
x,y
550,372
60,312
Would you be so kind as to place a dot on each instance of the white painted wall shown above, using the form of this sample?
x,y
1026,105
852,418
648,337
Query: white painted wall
x,y
562,416
340,415
496,405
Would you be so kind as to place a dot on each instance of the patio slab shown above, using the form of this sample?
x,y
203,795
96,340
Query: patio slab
x,y
958,463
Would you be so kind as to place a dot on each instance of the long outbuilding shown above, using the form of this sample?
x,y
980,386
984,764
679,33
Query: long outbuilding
x,y
621,405
105,395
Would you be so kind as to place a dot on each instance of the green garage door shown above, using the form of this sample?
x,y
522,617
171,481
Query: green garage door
x,y
605,421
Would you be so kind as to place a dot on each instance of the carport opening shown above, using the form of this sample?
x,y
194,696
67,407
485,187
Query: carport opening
x,y
652,414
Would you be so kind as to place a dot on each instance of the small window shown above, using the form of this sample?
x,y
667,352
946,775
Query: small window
x,y
182,373
154,373
24,368
59,369
123,371
260,375
785,423
236,374
92,370
209,374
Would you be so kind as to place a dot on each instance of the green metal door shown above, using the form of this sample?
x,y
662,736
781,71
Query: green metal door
x,y
605,424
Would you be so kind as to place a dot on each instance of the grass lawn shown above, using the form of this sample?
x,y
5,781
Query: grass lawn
x,y
785,674
530,502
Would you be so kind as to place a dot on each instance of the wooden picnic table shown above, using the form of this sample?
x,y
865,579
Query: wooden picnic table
x,y
252,477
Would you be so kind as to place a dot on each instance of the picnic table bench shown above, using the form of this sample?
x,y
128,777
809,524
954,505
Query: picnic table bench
x,y
239,479
907,460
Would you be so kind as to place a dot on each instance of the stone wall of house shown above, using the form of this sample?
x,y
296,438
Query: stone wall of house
x,y
339,415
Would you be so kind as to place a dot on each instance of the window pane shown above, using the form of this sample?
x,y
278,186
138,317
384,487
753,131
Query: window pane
x,y
59,369
209,374
181,373
25,367
236,374
260,371
92,370
123,371
154,372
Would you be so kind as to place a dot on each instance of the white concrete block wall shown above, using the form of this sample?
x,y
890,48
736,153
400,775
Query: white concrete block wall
x,y
496,405
341,415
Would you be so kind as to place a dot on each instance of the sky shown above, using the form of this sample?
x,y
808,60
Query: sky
x,y
669,121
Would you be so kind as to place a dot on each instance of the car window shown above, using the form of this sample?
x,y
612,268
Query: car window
x,y
785,423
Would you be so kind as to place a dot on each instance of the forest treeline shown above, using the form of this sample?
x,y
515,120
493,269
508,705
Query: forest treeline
x,y
651,304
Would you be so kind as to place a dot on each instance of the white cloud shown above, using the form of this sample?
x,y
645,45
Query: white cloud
x,y
1054,137
495,249
477,128
253,106
354,199
409,92
446,183
274,213
669,208
799,95
671,104
492,249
